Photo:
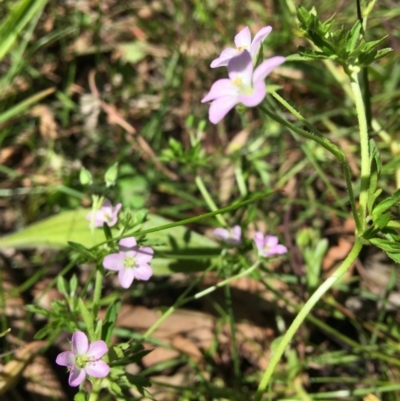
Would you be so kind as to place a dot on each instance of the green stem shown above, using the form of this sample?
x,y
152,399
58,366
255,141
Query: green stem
x,y
302,315
190,220
94,394
316,136
97,292
207,197
182,300
364,143
235,353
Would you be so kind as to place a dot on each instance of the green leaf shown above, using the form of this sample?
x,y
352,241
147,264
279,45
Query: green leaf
x,y
303,16
386,245
382,221
87,318
352,37
385,205
110,320
394,256
12,26
181,249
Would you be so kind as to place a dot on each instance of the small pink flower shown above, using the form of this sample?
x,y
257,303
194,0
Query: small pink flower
x,y
268,245
107,214
243,86
84,359
232,236
243,42
131,262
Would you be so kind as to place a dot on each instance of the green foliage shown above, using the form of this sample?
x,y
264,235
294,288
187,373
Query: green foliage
x,y
348,49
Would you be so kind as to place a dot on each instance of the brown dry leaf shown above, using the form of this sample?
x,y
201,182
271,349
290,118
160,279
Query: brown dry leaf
x,y
47,126
33,367
337,253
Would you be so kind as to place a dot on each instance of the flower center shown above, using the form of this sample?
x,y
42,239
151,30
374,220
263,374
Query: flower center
x,y
243,88
107,216
129,262
241,48
82,360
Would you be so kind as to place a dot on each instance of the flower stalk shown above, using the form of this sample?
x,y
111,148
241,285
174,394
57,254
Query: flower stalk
x,y
302,315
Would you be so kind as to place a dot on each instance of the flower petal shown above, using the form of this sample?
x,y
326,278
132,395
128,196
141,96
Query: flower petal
x,y
97,369
265,68
224,58
76,376
243,38
143,272
66,358
125,277
219,108
259,241
144,255
220,88
241,66
97,349
80,343
127,243
221,233
106,204
271,241
237,232
258,39
279,249
258,95
114,261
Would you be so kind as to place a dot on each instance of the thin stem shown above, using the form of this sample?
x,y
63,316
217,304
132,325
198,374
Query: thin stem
x,y
326,144
94,394
190,220
97,292
235,353
302,315
182,300
364,143
207,197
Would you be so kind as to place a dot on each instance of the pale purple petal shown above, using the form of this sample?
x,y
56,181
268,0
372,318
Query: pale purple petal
x,y
258,39
125,277
144,255
279,249
258,95
143,272
106,204
220,88
219,108
265,68
97,349
98,218
271,241
237,233
76,376
97,369
66,358
224,57
259,240
221,233
114,261
127,243
243,39
241,67
80,343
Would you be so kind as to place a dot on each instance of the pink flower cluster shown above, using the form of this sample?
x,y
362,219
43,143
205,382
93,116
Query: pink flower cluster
x,y
245,83
267,245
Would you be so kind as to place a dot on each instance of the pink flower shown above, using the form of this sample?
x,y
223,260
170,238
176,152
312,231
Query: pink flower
x,y
107,214
131,262
243,86
268,245
231,236
243,42
84,359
